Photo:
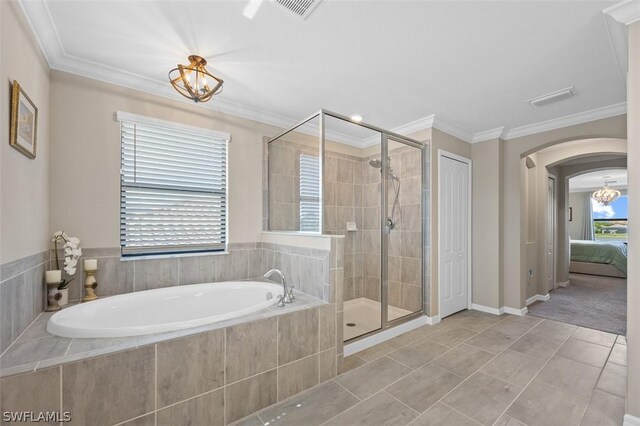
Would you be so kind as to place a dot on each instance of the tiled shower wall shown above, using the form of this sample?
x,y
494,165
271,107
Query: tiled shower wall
x,y
352,194
284,175
22,295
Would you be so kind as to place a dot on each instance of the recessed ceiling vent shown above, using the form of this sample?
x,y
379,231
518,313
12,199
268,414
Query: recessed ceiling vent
x,y
552,97
301,8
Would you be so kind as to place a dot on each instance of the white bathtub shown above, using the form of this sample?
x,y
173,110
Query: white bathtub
x,y
163,309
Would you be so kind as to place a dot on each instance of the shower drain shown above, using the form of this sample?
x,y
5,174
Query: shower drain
x,y
351,324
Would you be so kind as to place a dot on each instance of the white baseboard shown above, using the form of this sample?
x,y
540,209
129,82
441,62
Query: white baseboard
x,y
564,283
538,297
385,335
515,311
487,309
502,310
630,420
433,320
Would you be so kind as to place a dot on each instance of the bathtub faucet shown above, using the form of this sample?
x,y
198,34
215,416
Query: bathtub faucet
x,y
287,296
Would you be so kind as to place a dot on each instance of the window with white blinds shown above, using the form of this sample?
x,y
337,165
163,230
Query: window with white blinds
x,y
309,193
173,193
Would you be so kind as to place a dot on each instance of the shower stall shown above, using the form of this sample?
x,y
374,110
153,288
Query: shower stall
x,y
331,175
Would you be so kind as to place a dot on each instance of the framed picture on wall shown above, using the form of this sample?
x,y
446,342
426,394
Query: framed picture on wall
x,y
24,122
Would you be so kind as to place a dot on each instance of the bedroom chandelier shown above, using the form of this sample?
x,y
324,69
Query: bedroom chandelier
x,y
194,82
606,195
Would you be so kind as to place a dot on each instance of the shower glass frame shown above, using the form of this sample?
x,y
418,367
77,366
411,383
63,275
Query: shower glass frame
x,y
385,137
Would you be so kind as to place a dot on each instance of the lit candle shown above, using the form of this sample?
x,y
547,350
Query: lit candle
x,y
90,264
53,277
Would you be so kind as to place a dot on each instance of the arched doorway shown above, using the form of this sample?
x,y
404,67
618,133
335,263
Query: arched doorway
x,y
545,242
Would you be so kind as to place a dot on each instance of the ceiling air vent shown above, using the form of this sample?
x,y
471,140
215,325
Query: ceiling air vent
x,y
301,8
552,97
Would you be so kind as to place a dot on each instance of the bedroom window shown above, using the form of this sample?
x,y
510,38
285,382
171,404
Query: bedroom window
x,y
610,222
173,187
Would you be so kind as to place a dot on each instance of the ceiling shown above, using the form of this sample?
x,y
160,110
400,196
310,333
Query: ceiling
x,y
466,67
595,180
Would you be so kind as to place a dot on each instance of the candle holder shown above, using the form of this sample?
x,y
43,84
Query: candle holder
x,y
53,295
90,285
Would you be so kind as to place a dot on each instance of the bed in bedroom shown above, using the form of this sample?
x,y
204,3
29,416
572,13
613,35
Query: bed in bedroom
x,y
606,258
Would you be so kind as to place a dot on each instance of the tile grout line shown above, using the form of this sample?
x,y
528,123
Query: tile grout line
x,y
354,395
586,407
467,378
401,402
447,405
24,272
22,333
360,401
539,370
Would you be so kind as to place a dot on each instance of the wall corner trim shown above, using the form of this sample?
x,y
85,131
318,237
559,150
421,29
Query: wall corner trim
x,y
630,420
433,320
500,311
538,297
487,309
626,12
515,311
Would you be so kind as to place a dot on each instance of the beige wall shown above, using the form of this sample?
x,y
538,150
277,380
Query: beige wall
x,y
440,141
487,221
85,162
547,161
577,202
24,188
514,227
633,272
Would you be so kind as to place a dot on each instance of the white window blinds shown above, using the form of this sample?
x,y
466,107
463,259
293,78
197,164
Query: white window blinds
x,y
309,193
173,194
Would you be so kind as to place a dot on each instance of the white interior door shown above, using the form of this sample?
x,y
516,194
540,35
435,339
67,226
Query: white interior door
x,y
551,233
454,215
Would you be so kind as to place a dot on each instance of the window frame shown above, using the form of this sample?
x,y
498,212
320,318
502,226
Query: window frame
x,y
173,251
309,199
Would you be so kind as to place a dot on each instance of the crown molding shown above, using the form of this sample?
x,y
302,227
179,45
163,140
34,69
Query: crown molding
x,y
487,135
41,22
568,120
452,129
626,12
416,125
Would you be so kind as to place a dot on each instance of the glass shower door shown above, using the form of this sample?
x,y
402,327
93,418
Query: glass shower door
x,y
403,226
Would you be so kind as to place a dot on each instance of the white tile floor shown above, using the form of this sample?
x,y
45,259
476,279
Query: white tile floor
x,y
365,314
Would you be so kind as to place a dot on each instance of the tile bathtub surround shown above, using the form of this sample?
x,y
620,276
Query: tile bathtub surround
x,y
307,270
118,276
36,349
196,377
22,295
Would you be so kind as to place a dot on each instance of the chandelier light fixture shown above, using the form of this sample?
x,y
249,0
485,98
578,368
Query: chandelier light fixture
x,y
606,195
194,82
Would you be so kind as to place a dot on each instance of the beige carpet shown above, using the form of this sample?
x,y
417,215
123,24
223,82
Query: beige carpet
x,y
590,301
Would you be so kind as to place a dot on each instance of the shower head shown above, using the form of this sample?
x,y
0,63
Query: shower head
x,y
377,164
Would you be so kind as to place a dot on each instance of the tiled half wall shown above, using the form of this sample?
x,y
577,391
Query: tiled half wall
x,y
22,295
212,378
22,290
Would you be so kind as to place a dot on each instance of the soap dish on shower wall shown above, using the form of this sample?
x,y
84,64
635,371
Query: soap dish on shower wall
x,y
351,226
